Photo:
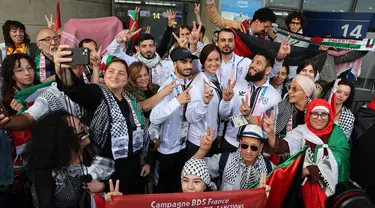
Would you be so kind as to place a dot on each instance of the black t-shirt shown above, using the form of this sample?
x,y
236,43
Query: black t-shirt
x,y
299,118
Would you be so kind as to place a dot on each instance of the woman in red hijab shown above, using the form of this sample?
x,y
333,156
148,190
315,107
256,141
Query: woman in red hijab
x,y
326,158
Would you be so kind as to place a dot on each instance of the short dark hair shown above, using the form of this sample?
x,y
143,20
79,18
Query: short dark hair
x,y
144,37
269,58
306,63
264,15
294,15
286,67
227,30
206,51
203,30
7,70
217,31
12,24
348,103
86,40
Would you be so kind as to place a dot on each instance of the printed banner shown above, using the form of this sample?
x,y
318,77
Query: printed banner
x,y
255,198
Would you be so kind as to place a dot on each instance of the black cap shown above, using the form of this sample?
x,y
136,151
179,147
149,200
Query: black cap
x,y
181,54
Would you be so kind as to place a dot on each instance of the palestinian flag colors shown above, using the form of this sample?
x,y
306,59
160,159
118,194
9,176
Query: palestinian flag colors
x,y
58,18
133,26
27,96
282,180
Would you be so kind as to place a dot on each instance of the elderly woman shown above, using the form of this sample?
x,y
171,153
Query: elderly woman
x,y
326,160
16,40
117,125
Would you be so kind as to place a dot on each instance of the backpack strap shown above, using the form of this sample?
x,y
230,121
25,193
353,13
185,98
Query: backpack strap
x,y
222,162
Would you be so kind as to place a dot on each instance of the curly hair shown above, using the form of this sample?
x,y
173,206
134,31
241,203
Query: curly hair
x,y
12,24
7,70
52,143
294,15
348,103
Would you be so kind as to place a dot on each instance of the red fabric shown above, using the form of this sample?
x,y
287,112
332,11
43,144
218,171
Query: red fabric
x,y
372,104
131,49
275,159
313,195
317,39
240,48
58,18
99,201
280,181
328,128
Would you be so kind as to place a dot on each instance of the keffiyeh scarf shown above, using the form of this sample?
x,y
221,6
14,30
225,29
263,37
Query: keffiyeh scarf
x,y
250,175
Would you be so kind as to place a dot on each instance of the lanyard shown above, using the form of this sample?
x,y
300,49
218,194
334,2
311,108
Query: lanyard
x,y
138,120
173,77
233,69
258,98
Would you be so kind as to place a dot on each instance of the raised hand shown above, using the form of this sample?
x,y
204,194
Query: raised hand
x,y
245,108
59,58
262,183
171,18
181,42
126,35
184,97
137,9
269,123
169,88
195,33
16,105
113,191
284,48
228,92
207,92
206,141
148,30
95,57
50,22
197,9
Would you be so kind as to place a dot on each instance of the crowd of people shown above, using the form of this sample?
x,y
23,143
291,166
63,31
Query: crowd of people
x,y
188,115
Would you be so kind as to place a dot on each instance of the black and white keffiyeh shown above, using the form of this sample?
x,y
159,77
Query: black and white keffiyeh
x,y
283,112
250,175
198,167
346,122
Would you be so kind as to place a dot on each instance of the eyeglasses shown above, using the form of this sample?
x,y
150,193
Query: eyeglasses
x,y
295,23
323,115
252,147
49,39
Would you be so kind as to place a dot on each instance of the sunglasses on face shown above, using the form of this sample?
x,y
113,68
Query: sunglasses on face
x,y
252,147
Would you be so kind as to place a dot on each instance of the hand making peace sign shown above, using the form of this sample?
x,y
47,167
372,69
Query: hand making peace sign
x,y
228,92
268,123
50,22
207,92
284,48
113,191
126,35
206,141
245,108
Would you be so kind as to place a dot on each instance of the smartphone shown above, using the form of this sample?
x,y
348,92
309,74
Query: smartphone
x,y
3,110
80,56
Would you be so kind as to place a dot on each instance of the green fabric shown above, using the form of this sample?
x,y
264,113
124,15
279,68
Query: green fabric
x,y
289,161
37,66
339,146
22,95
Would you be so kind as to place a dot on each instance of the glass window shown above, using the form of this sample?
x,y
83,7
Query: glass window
x,y
295,4
365,6
328,6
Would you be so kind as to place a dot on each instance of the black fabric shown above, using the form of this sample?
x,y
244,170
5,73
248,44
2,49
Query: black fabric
x,y
226,147
222,162
163,47
362,159
170,167
299,119
295,58
148,93
268,165
364,119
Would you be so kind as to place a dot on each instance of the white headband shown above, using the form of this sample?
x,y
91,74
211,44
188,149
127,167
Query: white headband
x,y
321,108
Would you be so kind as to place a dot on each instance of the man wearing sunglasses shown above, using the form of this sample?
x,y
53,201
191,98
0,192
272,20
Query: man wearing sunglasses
x,y
237,170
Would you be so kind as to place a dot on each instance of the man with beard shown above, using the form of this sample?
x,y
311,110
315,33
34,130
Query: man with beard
x,y
170,114
233,66
257,93
47,41
160,69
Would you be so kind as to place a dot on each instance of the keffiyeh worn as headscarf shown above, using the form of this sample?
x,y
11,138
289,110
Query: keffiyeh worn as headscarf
x,y
320,104
198,167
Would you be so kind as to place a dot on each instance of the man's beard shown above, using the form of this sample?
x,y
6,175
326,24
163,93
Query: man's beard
x,y
51,51
227,52
256,77
181,72
148,56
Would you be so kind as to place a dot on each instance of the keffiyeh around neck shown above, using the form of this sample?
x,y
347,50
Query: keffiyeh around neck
x,y
198,167
150,63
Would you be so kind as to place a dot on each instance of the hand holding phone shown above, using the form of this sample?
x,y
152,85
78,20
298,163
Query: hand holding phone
x,y
80,56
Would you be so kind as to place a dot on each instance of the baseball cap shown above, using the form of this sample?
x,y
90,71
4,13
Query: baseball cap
x,y
181,54
253,131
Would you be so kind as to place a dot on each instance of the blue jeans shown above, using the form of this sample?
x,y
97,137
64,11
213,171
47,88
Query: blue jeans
x,y
6,165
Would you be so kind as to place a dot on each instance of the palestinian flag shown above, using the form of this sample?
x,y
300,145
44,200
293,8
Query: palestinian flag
x,y
28,96
247,46
58,18
284,179
133,26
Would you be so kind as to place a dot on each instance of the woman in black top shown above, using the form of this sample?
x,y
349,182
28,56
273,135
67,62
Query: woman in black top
x,y
117,125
